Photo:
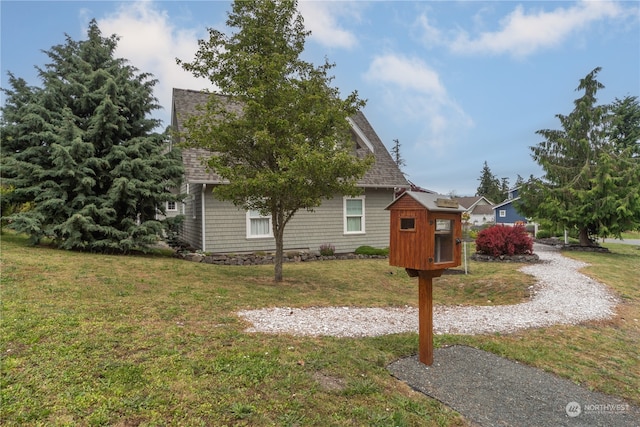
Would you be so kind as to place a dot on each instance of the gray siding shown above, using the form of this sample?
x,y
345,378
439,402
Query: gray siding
x,y
226,226
192,225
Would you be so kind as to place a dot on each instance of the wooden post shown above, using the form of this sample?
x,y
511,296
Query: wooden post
x,y
425,315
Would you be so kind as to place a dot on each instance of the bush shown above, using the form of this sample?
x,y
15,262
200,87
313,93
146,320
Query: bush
x,y
327,249
172,227
503,240
370,250
544,234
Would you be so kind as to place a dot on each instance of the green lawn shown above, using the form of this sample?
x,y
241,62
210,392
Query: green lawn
x,y
91,339
631,235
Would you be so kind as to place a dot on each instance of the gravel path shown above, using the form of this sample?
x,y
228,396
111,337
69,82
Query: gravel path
x,y
562,295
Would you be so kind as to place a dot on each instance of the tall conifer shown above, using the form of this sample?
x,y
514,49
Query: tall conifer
x,y
81,150
592,168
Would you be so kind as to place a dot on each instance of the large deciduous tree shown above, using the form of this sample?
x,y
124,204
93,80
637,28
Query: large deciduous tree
x,y
592,168
287,145
81,152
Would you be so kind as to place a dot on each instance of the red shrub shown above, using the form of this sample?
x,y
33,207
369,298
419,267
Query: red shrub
x,y
503,240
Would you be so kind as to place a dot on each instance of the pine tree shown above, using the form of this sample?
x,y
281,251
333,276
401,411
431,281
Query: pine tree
x,y
624,125
504,188
289,147
396,154
489,185
592,170
82,150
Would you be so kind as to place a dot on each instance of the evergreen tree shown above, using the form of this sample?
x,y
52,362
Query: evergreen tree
x,y
504,188
287,146
489,185
592,170
396,154
519,181
624,125
623,133
82,152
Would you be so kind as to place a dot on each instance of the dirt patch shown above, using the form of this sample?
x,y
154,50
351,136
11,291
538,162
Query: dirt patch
x,y
329,382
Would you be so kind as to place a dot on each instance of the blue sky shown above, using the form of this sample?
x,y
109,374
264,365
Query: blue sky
x,y
458,83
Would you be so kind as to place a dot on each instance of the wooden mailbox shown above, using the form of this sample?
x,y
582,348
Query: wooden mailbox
x,y
426,236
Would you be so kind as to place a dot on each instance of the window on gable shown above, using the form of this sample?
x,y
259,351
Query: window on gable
x,y
502,213
354,215
172,207
258,225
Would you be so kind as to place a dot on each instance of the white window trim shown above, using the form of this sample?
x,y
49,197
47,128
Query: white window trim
x,y
344,214
502,213
260,236
175,207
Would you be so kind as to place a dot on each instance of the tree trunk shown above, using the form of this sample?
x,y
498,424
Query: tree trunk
x,y
278,232
279,256
584,237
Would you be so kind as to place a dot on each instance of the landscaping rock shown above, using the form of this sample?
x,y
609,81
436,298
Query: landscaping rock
x,y
533,258
194,257
584,248
262,259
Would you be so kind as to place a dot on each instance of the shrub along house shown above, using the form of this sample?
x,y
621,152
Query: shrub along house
x,y
346,223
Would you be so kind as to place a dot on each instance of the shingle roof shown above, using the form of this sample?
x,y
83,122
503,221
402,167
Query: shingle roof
x,y
506,202
483,210
467,202
429,201
383,174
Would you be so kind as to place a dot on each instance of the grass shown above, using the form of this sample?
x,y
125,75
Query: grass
x,y
602,356
631,235
91,339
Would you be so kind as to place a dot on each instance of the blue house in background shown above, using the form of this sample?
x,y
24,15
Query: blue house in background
x,y
505,213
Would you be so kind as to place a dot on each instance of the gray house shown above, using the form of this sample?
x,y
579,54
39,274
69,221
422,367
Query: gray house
x,y
217,226
479,208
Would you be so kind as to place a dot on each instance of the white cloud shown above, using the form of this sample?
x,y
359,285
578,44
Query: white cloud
x,y
431,35
414,93
410,74
152,43
321,18
522,33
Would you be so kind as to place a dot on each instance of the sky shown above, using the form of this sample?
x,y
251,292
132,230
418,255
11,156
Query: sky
x,y
457,83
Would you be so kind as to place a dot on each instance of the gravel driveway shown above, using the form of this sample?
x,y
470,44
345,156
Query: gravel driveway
x,y
562,295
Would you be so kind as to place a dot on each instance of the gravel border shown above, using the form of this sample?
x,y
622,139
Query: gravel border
x,y
562,295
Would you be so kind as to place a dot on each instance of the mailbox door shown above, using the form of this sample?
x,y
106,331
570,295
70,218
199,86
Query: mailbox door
x,y
446,248
443,245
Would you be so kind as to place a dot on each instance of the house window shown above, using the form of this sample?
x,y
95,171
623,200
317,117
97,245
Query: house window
x,y
408,224
172,207
502,213
258,225
353,215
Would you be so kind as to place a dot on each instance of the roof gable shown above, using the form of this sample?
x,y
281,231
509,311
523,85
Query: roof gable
x,y
428,201
383,174
473,201
482,210
506,202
